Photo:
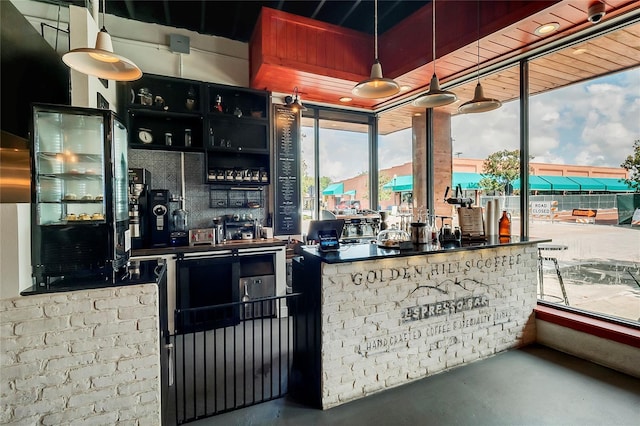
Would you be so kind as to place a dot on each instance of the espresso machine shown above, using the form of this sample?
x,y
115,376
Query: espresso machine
x,y
159,231
139,181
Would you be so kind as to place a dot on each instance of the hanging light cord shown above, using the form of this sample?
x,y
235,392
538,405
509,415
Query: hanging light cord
x,y
434,35
104,8
375,28
478,36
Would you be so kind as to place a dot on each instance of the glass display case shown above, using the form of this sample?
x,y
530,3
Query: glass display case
x,y
80,209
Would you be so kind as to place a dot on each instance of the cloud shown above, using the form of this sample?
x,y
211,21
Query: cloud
x,y
590,123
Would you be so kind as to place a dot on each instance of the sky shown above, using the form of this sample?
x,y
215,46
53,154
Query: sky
x,y
593,123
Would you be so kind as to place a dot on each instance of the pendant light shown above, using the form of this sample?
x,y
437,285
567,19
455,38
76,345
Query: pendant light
x,y
101,61
376,86
435,97
479,103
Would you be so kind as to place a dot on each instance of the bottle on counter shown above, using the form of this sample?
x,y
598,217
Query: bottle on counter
x,y
248,305
504,225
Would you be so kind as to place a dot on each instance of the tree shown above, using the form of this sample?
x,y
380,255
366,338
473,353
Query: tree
x,y
632,165
500,169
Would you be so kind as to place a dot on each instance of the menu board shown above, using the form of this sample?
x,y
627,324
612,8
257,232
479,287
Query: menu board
x,y
287,174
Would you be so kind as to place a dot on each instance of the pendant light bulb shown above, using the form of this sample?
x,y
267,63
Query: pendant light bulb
x,y
435,97
479,103
376,86
101,61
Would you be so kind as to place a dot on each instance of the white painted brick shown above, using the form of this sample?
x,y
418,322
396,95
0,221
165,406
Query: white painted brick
x,y
149,420
39,326
64,363
149,397
135,363
114,303
150,324
105,419
116,353
101,317
81,374
134,337
39,406
65,390
21,314
69,335
93,344
66,416
134,388
90,397
123,327
135,312
151,372
19,371
43,353
66,308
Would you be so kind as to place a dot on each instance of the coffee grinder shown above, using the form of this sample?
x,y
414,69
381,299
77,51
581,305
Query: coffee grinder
x,y
159,231
139,181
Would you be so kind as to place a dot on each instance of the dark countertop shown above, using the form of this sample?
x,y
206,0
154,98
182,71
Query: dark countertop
x,y
147,272
359,252
229,245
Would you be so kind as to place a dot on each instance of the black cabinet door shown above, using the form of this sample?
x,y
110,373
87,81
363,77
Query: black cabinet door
x,y
207,293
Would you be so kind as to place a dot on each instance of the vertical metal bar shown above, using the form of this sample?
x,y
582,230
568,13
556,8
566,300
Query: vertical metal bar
x,y
373,162
224,358
271,351
193,375
215,370
524,148
235,358
184,378
280,299
262,352
204,367
244,353
253,355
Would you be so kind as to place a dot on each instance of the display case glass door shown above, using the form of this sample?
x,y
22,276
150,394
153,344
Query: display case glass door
x,y
70,167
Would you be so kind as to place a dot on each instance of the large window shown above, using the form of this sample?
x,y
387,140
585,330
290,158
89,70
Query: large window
x,y
335,159
586,129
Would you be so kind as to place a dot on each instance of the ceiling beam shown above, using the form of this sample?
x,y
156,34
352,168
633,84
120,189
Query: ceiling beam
x,y
167,14
346,15
130,8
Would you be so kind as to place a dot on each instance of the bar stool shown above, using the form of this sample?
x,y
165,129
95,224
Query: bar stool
x,y
541,259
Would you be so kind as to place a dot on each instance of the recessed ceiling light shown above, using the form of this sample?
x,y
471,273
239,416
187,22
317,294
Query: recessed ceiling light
x,y
345,99
417,114
405,88
580,51
545,29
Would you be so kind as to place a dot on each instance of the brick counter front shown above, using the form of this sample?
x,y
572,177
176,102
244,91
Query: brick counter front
x,y
81,357
377,324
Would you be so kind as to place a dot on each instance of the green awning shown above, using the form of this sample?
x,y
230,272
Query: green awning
x,y
561,183
536,183
588,184
351,192
466,180
400,184
334,189
614,184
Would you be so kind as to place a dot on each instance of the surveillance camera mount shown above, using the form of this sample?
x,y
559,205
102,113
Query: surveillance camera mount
x,y
596,11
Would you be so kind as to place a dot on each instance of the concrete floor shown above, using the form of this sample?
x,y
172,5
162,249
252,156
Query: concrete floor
x,y
529,386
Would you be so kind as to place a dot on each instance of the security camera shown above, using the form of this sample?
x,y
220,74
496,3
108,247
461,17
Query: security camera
x,y
596,12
